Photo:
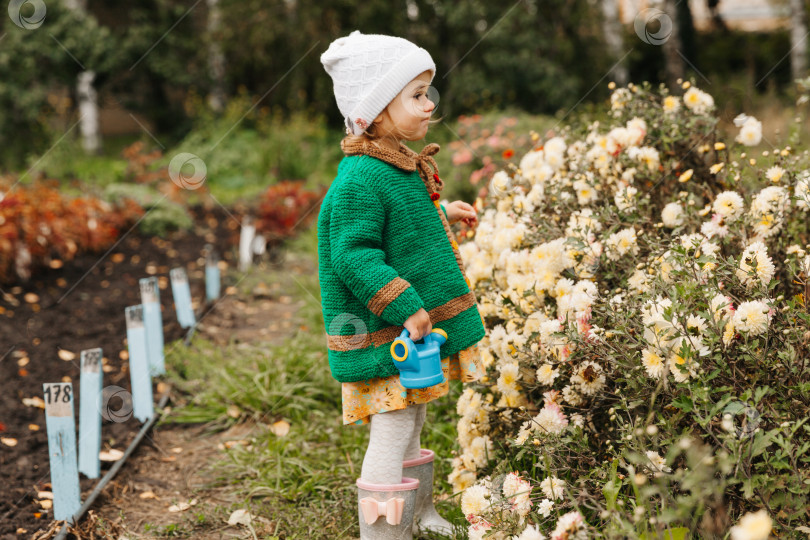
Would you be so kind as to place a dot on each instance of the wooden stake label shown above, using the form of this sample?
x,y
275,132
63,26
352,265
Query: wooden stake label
x,y
90,414
61,428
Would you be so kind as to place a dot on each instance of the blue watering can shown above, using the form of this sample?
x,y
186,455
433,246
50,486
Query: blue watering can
x,y
419,363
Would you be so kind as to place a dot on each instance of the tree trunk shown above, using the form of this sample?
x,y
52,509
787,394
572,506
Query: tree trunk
x,y
798,39
612,28
87,98
672,45
216,59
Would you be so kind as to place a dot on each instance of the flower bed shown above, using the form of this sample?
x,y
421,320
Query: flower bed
x,y
644,286
39,226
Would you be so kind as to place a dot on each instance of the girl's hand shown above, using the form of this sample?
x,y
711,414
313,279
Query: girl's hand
x,y
461,211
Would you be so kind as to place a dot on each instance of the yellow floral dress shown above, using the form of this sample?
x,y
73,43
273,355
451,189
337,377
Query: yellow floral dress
x,y
361,399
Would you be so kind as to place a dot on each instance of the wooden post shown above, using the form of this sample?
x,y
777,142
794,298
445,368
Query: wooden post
x,y
182,297
142,405
90,413
61,428
153,322
212,277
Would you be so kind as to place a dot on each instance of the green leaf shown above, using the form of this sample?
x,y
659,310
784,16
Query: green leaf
x,y
684,403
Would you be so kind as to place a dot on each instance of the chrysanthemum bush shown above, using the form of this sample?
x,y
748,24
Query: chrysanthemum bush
x,y
644,285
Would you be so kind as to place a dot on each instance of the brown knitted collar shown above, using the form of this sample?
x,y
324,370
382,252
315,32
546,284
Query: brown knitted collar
x,y
404,158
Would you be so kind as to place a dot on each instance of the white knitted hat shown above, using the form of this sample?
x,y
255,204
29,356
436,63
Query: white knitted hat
x,y
368,71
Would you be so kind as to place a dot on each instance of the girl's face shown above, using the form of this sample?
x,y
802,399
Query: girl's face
x,y
406,117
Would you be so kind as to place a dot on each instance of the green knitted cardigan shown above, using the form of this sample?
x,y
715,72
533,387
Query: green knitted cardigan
x,y
385,250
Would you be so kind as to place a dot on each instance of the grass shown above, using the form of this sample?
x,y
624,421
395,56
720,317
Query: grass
x,y
304,481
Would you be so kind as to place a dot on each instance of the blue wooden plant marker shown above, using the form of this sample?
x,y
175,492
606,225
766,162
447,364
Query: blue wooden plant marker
x,y
89,413
182,297
212,279
61,428
153,322
142,406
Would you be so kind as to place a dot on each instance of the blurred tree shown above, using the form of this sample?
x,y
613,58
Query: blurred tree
x,y
39,66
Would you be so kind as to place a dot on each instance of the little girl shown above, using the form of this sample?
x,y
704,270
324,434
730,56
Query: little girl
x,y
387,261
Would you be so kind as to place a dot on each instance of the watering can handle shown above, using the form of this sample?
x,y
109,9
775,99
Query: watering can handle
x,y
406,334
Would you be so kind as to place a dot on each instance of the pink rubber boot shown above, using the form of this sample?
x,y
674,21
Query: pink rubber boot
x,y
386,510
426,517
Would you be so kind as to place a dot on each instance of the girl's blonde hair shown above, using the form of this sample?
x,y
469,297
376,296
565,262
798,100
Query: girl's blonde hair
x,y
372,133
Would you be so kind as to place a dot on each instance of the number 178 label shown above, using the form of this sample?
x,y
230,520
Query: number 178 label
x,y
58,399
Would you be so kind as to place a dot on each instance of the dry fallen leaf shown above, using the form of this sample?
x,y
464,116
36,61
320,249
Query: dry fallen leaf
x,y
110,455
66,355
181,506
35,401
31,298
45,503
240,517
280,428
45,494
22,362
148,495
33,427
8,441
176,450
233,411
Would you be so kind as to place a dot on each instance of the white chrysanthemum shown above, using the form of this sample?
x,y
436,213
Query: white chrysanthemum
x,y
755,260
637,129
550,420
672,215
728,204
775,173
768,208
476,531
653,363
586,193
571,396
656,462
518,492
695,325
546,374
460,478
590,378
638,281
802,191
625,199
671,104
621,243
570,526
750,130
507,381
646,155
752,317
682,367
553,488
530,533
555,145
698,101
753,526
721,306
619,98
475,500
545,507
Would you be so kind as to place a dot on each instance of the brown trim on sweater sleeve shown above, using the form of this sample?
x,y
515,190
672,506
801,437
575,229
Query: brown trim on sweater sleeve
x,y
388,334
387,294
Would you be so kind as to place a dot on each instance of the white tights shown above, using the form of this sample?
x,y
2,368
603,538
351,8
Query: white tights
x,y
395,437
